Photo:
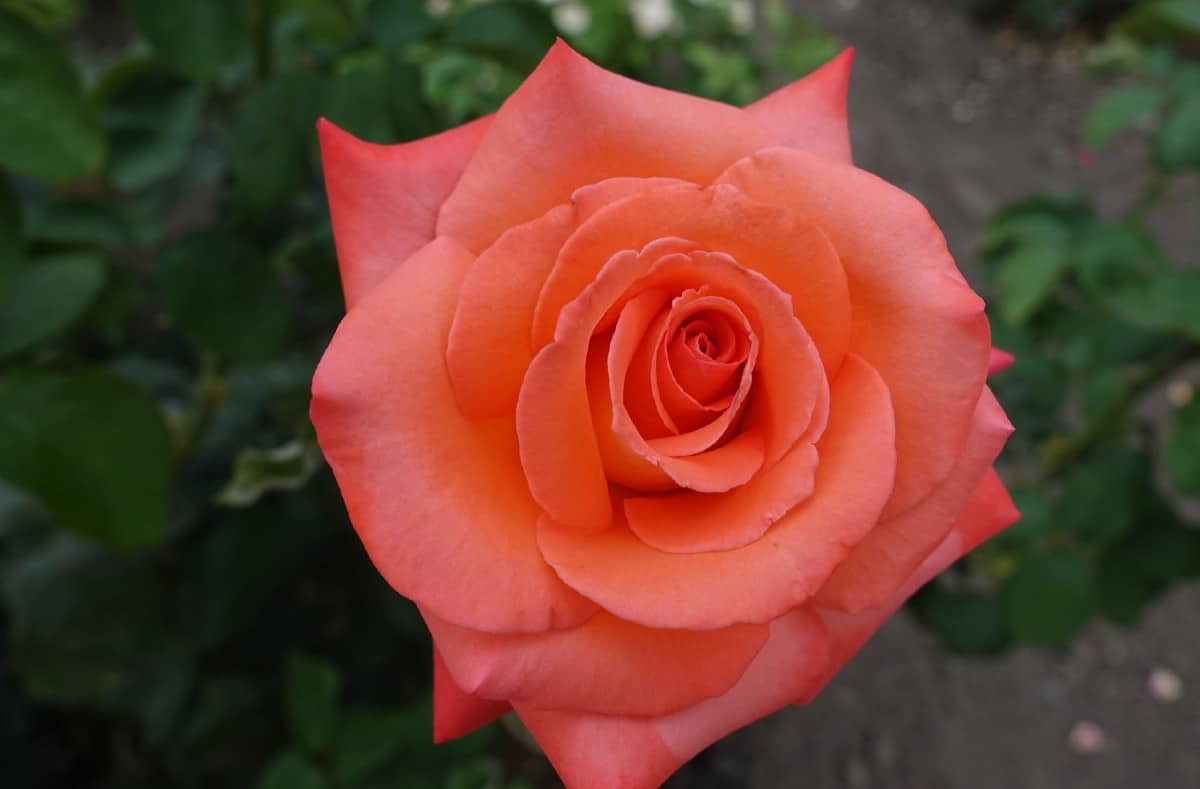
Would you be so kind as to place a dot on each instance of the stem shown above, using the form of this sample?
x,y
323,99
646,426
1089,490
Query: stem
x,y
1109,420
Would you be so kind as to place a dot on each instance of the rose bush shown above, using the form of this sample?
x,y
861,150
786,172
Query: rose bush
x,y
655,406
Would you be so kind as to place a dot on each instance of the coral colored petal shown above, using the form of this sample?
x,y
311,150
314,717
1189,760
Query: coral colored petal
x,y
591,198
988,511
897,546
384,199
999,361
612,752
432,494
915,318
571,124
605,665
788,250
489,352
788,564
810,113
457,713
699,522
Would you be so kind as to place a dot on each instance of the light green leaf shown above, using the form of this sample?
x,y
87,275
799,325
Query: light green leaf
x,y
1026,280
1118,112
1177,141
257,472
365,740
1049,599
1182,453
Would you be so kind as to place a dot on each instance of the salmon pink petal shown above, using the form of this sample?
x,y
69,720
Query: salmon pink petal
x,y
787,250
431,493
571,124
457,713
897,546
616,752
788,564
699,522
989,510
489,351
915,318
999,361
384,199
606,665
810,113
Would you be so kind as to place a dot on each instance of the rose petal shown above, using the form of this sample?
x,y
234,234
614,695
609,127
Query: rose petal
x,y
789,251
605,665
571,123
489,349
384,199
788,564
999,361
897,546
915,318
597,751
988,511
810,113
457,713
426,488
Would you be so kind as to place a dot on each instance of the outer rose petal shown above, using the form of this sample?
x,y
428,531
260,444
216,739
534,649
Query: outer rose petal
x,y
384,199
788,564
810,113
988,511
611,752
572,123
606,665
915,318
999,361
413,470
457,713
897,546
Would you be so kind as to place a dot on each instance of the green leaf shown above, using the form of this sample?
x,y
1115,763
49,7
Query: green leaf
x,y
1049,599
269,151
291,771
311,688
1118,112
1164,19
1026,280
394,24
966,622
1099,497
195,37
365,740
225,296
78,222
12,244
518,33
49,15
59,435
49,132
1182,453
257,472
1177,140
151,120
47,298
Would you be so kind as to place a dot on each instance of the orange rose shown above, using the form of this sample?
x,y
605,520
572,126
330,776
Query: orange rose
x,y
655,406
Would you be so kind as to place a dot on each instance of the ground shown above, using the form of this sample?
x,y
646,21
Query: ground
x,y
966,120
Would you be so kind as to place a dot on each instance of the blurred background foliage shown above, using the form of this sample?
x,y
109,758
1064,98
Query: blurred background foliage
x,y
183,601
1100,317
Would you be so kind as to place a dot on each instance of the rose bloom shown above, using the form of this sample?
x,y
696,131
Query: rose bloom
x,y
656,407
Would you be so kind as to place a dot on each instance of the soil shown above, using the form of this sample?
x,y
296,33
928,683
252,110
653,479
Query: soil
x,y
968,119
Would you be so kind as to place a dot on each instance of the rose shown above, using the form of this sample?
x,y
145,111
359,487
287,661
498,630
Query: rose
x,y
656,407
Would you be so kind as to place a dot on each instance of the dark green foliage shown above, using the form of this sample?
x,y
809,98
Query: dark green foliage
x,y
183,602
